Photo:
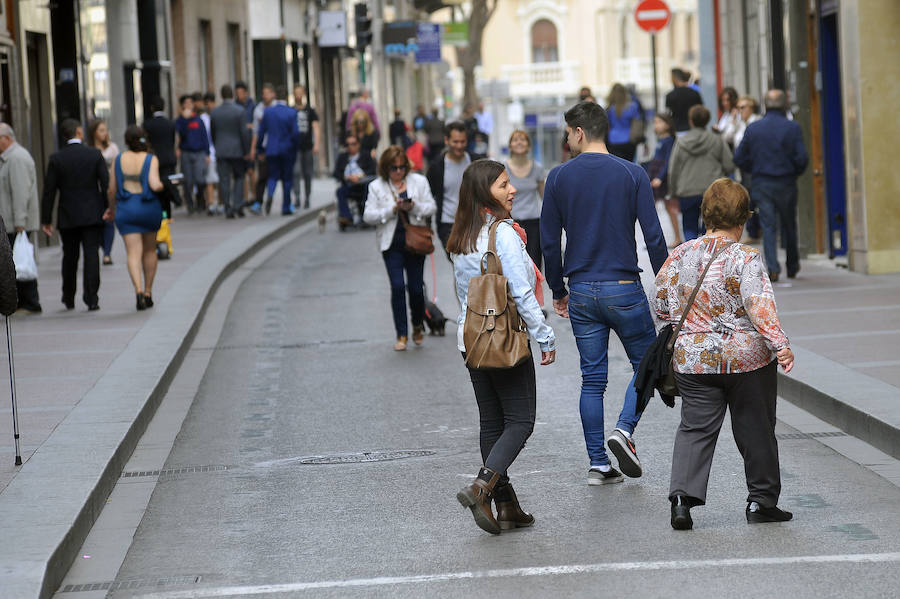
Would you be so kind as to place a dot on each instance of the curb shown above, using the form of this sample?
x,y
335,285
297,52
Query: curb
x,y
57,495
860,405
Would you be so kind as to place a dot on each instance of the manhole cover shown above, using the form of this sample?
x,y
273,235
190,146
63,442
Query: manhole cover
x,y
365,456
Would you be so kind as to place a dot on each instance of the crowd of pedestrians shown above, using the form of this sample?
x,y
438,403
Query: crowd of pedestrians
x,y
216,152
576,223
573,225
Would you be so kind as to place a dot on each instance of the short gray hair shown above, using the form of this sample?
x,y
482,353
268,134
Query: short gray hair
x,y
776,99
7,131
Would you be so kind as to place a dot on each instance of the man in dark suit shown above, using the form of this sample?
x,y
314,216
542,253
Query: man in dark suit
x,y
353,170
78,172
231,139
161,135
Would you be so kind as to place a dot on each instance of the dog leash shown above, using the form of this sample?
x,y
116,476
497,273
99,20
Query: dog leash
x,y
433,279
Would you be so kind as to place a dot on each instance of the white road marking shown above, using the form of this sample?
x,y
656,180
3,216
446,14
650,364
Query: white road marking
x,y
835,310
292,587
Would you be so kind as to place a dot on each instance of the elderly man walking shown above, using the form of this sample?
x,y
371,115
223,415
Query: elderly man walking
x,y
772,151
19,204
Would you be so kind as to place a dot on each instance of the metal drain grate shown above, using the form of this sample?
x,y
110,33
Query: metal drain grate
x,y
119,585
365,456
786,436
173,471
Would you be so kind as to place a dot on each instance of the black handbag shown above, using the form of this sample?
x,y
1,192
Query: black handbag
x,y
666,383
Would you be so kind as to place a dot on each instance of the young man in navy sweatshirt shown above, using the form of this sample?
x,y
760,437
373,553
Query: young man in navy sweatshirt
x,y
193,151
597,198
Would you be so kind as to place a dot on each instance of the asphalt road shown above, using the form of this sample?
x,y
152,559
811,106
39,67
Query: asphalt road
x,y
304,369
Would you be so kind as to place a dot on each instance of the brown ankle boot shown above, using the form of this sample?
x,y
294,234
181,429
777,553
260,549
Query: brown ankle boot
x,y
509,513
477,497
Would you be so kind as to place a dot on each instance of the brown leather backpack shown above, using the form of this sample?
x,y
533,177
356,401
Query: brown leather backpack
x,y
494,335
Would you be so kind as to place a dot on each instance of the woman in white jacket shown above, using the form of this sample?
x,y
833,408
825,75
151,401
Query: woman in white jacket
x,y
399,195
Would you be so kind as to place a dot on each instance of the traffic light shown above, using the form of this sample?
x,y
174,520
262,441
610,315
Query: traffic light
x,y
363,26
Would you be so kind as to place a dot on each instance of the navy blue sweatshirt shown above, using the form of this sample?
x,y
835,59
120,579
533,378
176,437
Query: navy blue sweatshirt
x,y
597,198
192,134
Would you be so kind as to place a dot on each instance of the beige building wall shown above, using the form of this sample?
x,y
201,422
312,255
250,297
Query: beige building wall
x,y
871,86
599,43
190,50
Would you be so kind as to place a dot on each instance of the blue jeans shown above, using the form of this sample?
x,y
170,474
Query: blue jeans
x,y
690,217
397,260
777,199
594,309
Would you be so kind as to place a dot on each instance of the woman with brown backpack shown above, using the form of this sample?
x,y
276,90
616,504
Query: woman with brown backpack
x,y
495,285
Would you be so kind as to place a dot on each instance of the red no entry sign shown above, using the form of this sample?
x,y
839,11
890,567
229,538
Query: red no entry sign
x,y
652,15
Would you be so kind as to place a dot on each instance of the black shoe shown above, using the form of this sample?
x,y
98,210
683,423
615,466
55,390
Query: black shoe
x,y
792,273
766,514
773,276
93,307
681,513
148,300
107,261
240,213
70,305
229,215
141,302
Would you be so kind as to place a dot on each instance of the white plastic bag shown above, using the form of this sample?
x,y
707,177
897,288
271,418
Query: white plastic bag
x,y
23,256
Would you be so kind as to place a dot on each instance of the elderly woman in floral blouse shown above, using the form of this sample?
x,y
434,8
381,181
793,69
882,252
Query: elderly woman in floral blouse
x,y
725,357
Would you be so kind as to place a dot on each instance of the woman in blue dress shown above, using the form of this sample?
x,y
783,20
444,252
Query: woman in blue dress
x,y
133,182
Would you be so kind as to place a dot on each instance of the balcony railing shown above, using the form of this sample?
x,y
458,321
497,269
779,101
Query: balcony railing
x,y
542,78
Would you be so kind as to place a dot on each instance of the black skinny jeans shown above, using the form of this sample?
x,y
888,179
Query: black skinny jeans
x,y
506,405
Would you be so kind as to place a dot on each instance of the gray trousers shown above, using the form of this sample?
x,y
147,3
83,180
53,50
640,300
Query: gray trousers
x,y
231,183
193,167
303,169
750,397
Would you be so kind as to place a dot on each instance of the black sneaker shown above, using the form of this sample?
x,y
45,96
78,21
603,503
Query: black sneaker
x,y
623,448
766,514
598,477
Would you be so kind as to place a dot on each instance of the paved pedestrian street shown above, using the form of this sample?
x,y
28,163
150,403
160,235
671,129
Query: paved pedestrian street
x,y
314,461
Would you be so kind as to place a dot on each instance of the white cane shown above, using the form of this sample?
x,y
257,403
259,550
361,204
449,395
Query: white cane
x,y
12,392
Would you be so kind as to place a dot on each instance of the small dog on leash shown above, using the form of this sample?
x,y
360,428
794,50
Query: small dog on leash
x,y
323,220
434,318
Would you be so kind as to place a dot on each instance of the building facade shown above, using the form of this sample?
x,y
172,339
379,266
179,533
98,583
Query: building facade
x,y
210,41
829,56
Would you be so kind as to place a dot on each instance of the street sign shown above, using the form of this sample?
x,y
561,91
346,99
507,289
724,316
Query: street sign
x,y
332,29
428,36
652,15
399,38
455,34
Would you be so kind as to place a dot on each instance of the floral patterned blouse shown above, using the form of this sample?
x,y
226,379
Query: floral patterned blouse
x,y
733,325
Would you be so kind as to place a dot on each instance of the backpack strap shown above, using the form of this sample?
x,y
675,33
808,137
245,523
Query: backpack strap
x,y
490,259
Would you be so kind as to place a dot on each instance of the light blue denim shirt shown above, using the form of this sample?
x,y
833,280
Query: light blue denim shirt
x,y
519,271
